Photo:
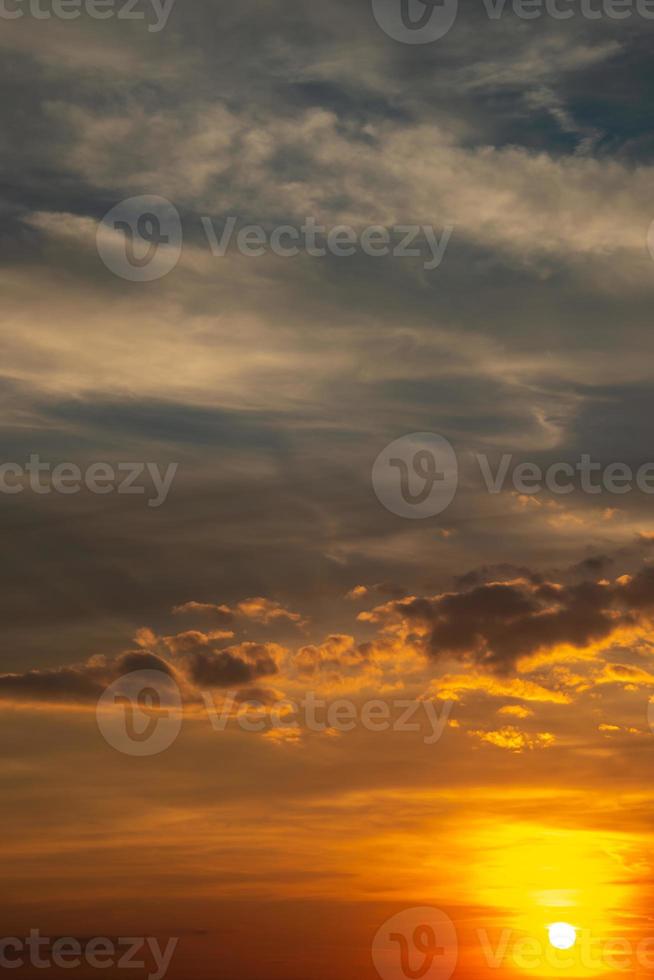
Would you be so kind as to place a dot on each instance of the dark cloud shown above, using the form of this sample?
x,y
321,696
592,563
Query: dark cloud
x,y
495,624
65,684
231,667
78,683
596,565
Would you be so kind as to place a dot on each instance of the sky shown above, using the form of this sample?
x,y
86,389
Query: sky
x,y
337,624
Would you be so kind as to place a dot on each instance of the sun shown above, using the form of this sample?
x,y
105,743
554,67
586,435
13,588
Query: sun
x,y
562,935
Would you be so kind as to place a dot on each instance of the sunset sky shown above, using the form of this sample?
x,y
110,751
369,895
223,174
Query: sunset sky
x,y
514,629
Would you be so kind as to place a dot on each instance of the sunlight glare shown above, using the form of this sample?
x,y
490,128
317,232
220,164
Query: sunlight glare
x,y
562,935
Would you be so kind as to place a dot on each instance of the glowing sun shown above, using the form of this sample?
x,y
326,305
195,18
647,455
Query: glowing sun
x,y
562,935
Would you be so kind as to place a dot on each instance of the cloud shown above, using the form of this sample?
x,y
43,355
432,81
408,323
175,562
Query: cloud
x,y
337,652
609,730
515,711
79,683
507,626
452,686
494,625
195,667
628,675
223,613
513,739
288,735
64,684
194,640
258,610
235,666
517,639
266,611
526,204
382,588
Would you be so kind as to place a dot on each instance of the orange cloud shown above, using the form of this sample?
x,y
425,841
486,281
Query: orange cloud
x,y
258,609
452,686
513,739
